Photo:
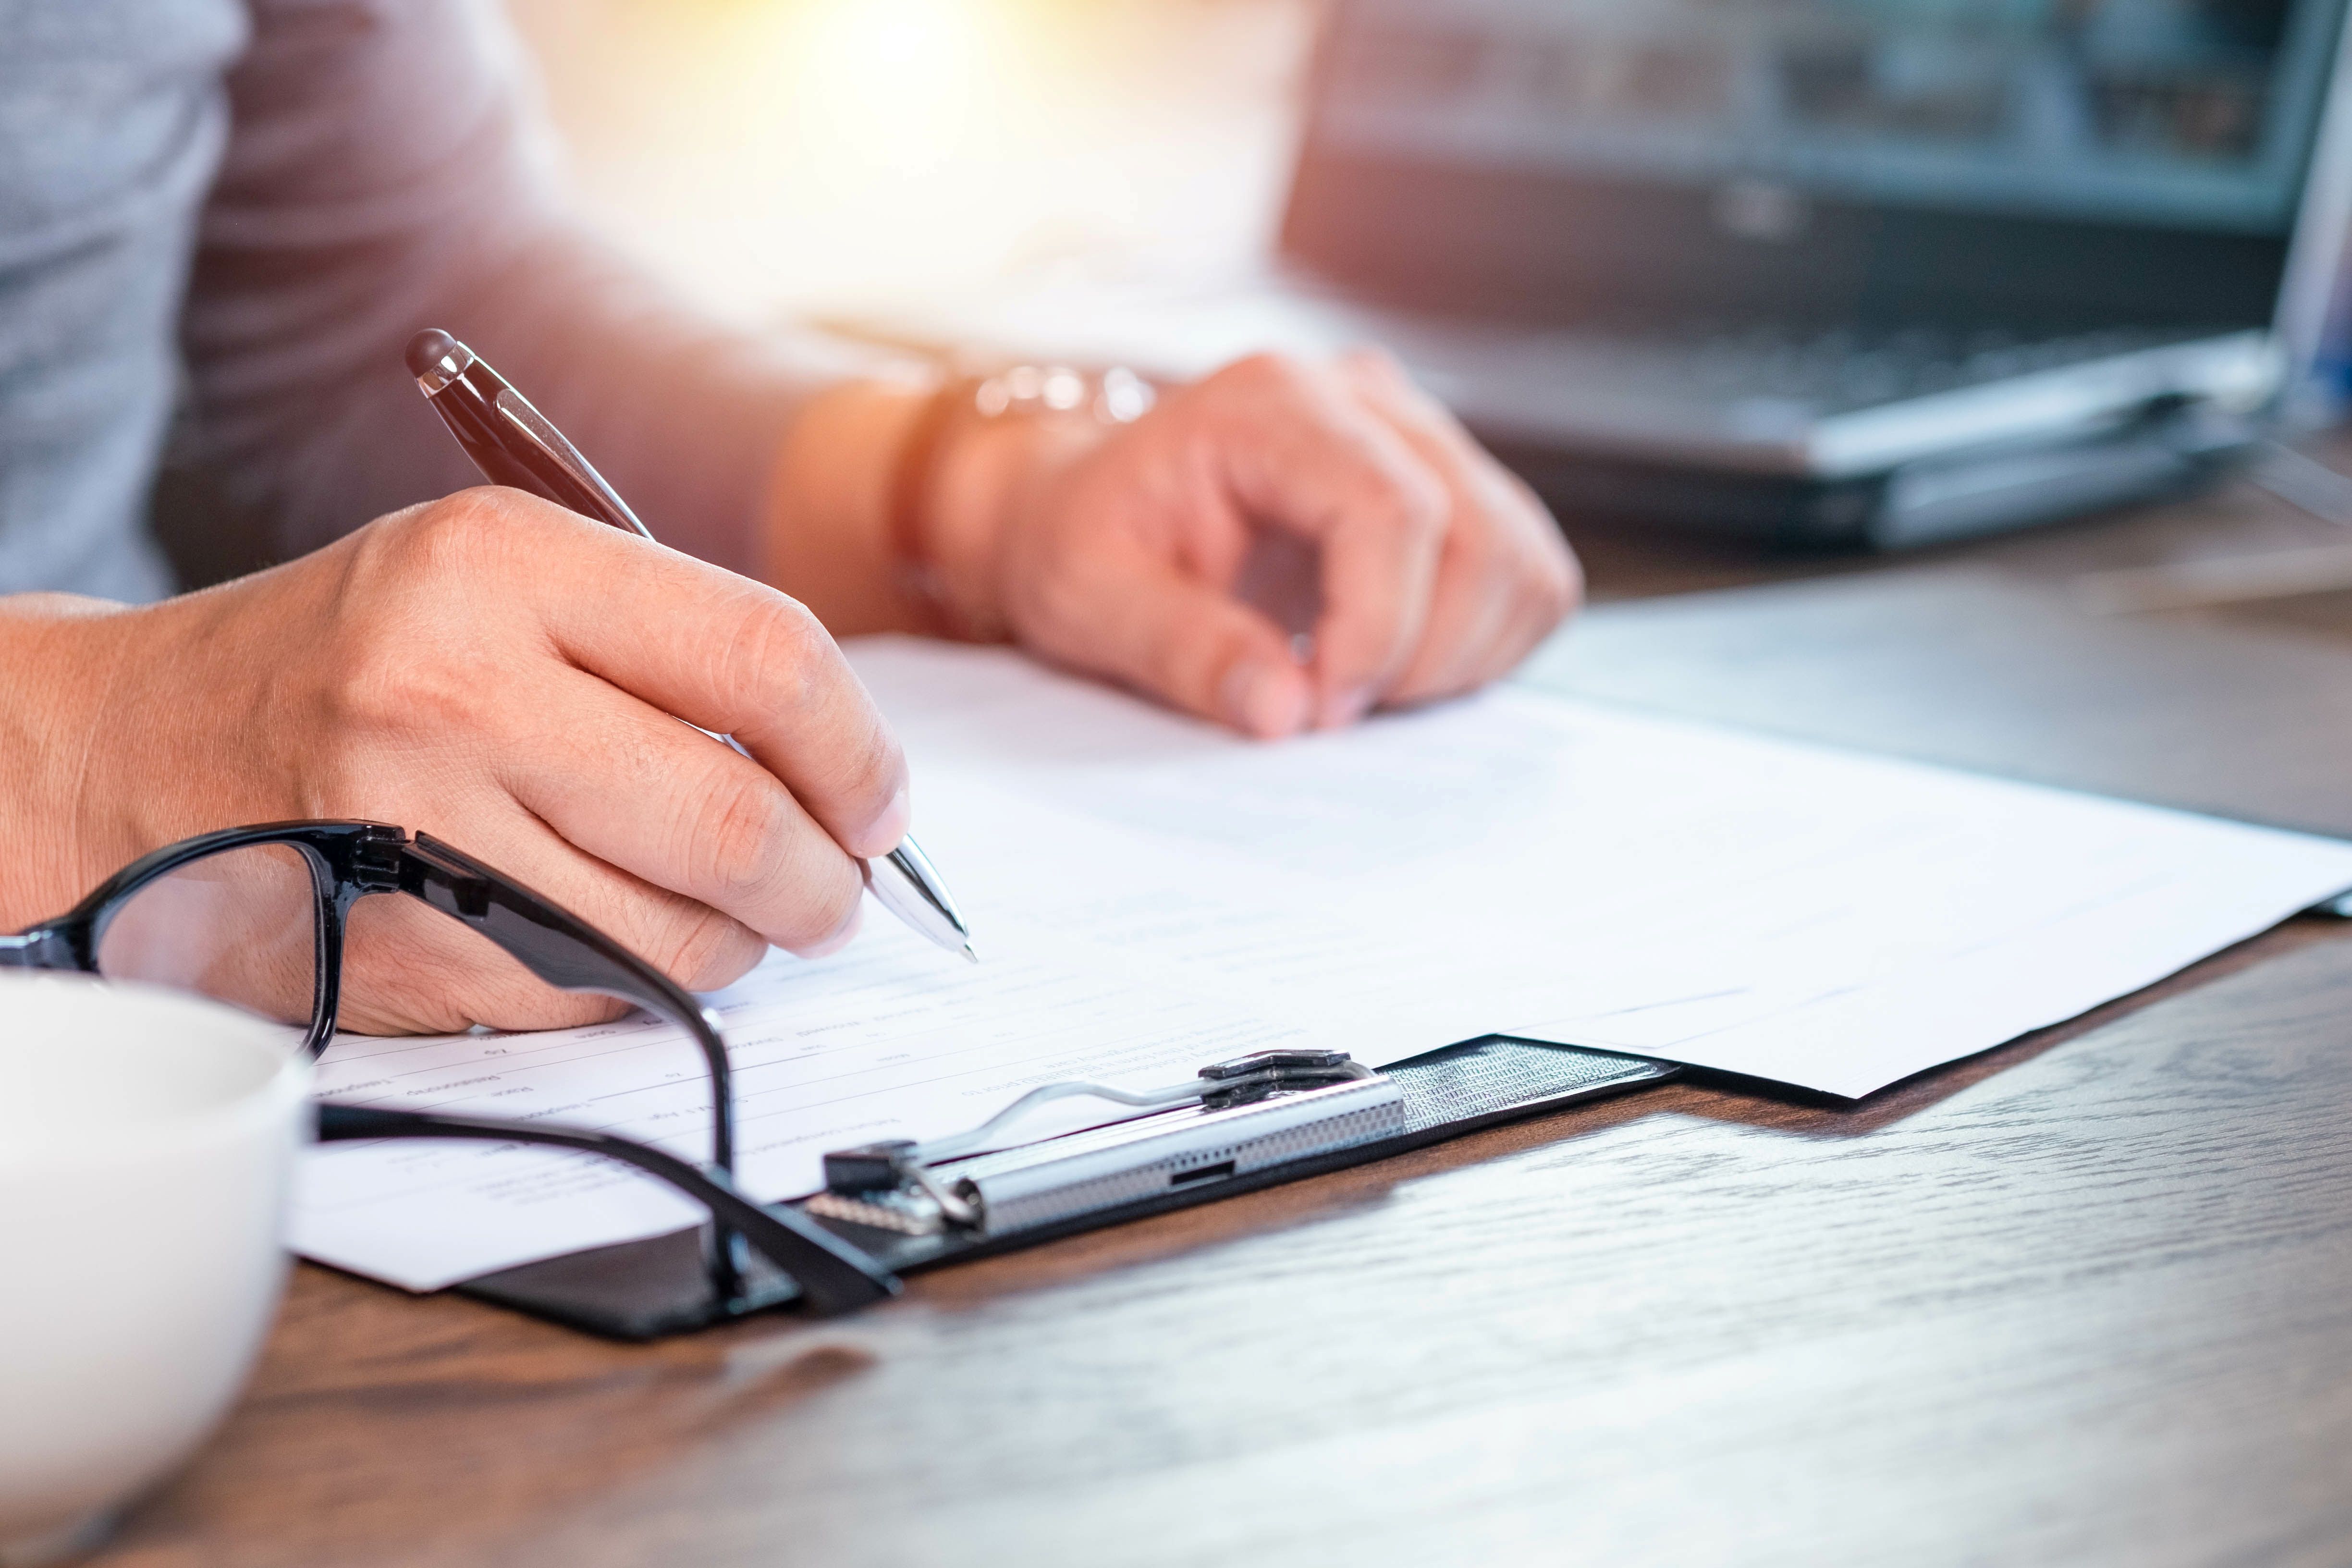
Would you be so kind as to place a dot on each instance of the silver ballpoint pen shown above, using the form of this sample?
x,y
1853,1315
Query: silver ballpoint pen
x,y
514,444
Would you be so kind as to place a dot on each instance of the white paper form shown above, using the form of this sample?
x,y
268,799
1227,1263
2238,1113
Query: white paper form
x,y
1523,864
1149,894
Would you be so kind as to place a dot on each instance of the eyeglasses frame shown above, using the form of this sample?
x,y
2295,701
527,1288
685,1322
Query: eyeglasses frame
x,y
351,860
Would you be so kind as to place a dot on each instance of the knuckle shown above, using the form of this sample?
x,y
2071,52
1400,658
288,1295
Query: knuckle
x,y
755,858
740,854
777,656
383,682
1268,372
1398,488
1423,504
823,899
1476,554
405,653
461,533
877,771
708,949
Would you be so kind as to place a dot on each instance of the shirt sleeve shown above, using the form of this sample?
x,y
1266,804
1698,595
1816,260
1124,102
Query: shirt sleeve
x,y
386,171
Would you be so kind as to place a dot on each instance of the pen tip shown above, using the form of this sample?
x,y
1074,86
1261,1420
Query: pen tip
x,y
970,955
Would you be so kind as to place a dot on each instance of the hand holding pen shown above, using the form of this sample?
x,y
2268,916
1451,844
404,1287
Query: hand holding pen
x,y
514,445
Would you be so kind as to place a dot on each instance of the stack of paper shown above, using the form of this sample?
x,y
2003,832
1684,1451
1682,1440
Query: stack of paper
x,y
1148,894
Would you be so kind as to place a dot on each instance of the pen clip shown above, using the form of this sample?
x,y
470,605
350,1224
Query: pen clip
x,y
516,410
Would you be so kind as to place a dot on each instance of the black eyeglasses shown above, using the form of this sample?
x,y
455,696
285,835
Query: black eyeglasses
x,y
258,917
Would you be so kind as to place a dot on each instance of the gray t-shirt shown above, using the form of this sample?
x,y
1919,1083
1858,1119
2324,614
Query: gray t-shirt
x,y
241,209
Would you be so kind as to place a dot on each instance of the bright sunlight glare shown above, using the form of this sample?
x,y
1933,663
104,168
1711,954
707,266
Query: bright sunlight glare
x,y
898,85
836,154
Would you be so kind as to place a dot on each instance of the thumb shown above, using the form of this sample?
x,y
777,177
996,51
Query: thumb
x,y
1188,643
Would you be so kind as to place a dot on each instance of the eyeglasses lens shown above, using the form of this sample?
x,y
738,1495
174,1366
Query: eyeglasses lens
x,y
239,926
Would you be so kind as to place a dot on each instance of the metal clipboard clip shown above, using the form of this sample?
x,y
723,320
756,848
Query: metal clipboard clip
x,y
1237,1117
1255,1120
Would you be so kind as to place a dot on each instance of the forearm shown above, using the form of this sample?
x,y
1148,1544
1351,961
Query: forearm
x,y
826,537
380,179
64,657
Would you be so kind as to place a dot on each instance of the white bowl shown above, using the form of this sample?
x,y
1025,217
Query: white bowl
x,y
147,1140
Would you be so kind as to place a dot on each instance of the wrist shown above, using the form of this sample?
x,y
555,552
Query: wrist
x,y
990,474
984,469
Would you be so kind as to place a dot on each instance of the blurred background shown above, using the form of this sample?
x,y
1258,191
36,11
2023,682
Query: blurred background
x,y
1745,288
1812,273
833,157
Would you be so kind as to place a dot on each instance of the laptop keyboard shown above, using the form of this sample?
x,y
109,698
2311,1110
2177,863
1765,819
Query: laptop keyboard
x,y
1845,369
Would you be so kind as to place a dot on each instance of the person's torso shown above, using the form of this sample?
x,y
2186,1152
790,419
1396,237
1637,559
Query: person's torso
x,y
112,118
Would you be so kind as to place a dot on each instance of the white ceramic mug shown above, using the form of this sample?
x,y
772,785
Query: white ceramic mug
x,y
147,1140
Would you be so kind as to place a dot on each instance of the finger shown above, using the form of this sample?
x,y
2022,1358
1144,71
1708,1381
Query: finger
x,y
677,810
1550,586
1301,454
1178,637
730,655
1484,606
1560,579
1507,577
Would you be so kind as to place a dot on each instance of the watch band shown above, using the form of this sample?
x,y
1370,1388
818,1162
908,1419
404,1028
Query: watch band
x,y
1113,396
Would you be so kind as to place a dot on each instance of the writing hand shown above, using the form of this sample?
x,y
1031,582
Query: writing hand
x,y
498,672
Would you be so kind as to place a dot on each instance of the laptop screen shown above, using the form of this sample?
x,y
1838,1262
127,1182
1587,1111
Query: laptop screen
x,y
1852,140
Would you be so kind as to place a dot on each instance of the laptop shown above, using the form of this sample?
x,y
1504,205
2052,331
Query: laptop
x,y
1835,272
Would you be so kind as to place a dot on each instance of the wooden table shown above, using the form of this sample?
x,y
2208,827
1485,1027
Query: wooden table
x,y
2084,1299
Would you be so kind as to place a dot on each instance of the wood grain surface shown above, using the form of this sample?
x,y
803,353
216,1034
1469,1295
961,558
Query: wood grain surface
x,y
2084,1299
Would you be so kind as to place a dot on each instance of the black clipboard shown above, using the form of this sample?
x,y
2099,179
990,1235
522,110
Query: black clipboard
x,y
1172,1159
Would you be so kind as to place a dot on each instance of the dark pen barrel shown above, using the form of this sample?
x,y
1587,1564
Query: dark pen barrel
x,y
468,400
464,410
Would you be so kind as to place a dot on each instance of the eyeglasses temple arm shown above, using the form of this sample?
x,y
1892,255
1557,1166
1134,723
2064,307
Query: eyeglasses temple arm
x,y
835,1276
569,954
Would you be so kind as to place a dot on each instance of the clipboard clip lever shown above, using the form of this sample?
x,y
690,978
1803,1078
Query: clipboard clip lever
x,y
1245,1080
895,1183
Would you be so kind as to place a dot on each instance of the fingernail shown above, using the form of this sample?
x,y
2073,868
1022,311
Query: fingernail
x,y
1342,708
841,938
1267,700
883,833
